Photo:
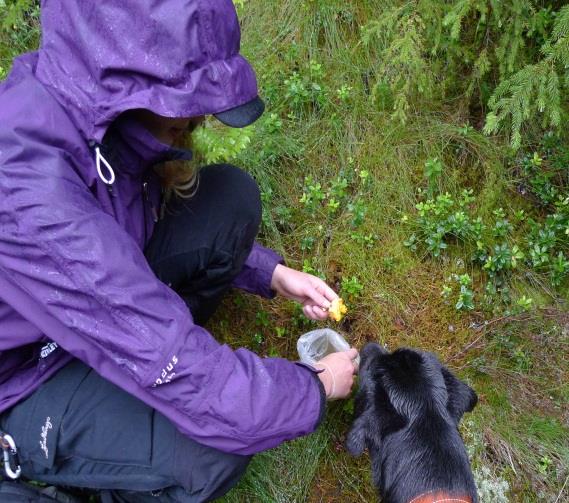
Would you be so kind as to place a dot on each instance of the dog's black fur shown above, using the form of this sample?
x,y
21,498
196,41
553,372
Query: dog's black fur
x,y
407,411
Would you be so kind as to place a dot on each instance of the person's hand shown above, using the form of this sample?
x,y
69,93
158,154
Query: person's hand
x,y
338,376
313,293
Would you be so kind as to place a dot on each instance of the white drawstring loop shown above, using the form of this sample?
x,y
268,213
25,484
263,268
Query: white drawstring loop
x,y
98,159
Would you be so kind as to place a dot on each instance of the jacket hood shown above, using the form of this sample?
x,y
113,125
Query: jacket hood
x,y
177,58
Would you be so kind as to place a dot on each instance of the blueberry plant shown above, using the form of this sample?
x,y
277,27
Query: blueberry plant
x,y
503,245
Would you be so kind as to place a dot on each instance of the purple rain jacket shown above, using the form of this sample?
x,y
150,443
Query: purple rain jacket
x,y
73,278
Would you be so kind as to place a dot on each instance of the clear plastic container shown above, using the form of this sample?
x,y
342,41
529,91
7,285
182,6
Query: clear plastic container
x,y
317,344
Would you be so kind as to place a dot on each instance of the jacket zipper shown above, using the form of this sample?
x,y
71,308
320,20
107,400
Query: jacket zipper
x,y
148,202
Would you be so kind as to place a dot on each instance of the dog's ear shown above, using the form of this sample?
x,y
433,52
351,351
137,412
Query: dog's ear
x,y
356,439
368,355
461,397
372,350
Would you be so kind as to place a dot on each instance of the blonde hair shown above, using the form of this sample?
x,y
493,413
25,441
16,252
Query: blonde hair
x,y
180,178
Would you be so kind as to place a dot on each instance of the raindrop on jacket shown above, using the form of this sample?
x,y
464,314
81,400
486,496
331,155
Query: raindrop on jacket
x,y
73,278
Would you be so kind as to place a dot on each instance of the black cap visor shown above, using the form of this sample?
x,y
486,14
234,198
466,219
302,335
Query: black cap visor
x,y
243,115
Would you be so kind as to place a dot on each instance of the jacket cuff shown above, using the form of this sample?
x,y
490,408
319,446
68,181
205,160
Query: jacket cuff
x,y
257,272
314,372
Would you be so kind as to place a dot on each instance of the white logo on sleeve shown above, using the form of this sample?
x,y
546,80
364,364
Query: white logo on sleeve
x,y
48,349
43,440
167,373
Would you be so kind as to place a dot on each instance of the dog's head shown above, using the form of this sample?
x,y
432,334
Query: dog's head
x,y
397,388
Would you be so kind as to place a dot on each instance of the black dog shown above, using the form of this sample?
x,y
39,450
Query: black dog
x,y
407,411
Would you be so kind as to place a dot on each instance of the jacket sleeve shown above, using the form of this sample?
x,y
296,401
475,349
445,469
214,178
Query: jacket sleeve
x,y
257,272
69,268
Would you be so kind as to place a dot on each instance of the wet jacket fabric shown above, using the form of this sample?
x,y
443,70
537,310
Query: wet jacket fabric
x,y
74,282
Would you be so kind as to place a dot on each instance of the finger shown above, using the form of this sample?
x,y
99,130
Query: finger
x,y
309,312
315,297
352,353
319,313
323,288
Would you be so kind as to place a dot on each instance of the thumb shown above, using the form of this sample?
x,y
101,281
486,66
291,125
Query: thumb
x,y
352,353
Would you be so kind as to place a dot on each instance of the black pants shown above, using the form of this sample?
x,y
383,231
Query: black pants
x,y
109,440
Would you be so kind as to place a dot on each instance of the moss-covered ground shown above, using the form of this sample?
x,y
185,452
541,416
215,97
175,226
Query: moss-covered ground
x,y
516,361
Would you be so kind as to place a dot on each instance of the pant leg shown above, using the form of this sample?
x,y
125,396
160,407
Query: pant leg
x,y
79,430
201,244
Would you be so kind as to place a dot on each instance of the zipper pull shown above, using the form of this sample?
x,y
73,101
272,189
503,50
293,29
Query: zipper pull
x,y
147,198
101,161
